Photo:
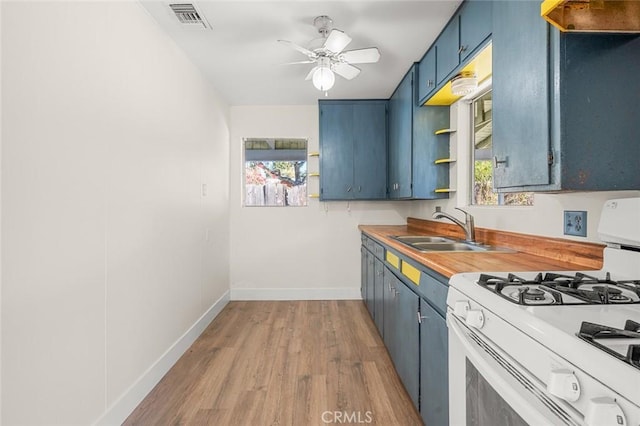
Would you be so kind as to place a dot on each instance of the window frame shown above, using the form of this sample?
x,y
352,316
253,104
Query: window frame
x,y
274,154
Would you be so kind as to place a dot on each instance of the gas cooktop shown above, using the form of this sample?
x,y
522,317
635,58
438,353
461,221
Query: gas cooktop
x,y
560,289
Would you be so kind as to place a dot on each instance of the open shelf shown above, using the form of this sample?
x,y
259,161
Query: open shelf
x,y
443,190
314,154
314,195
314,174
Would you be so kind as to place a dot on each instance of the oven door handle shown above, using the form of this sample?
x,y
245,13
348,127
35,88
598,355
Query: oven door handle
x,y
505,374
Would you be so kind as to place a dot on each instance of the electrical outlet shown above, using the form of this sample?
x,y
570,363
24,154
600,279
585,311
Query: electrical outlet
x,y
575,223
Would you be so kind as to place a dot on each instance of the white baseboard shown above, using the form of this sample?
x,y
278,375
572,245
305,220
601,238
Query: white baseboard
x,y
348,293
118,412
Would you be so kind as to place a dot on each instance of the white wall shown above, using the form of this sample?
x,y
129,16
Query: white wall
x,y
0,220
108,133
545,217
302,252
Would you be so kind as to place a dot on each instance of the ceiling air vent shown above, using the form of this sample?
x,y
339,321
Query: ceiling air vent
x,y
187,14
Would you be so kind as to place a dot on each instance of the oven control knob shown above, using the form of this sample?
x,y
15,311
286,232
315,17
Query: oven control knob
x,y
604,412
460,308
564,384
475,318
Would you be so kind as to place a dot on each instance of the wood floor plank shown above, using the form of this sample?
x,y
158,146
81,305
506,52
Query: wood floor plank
x,y
282,363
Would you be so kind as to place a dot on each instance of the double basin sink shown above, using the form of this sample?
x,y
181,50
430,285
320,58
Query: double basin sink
x,y
444,244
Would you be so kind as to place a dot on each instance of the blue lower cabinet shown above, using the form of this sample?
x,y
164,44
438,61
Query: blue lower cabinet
x,y
401,332
406,328
372,283
389,302
364,255
434,389
378,294
369,297
409,308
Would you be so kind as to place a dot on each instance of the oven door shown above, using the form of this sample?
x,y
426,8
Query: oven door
x,y
487,387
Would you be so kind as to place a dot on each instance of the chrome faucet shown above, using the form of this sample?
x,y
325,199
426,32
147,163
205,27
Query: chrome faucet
x,y
468,226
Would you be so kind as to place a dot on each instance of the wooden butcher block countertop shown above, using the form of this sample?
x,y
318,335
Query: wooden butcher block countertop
x,y
532,253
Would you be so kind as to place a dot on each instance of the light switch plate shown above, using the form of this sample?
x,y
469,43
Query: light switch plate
x,y
575,223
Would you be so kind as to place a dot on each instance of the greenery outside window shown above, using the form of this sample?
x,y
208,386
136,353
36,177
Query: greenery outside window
x,y
482,177
275,172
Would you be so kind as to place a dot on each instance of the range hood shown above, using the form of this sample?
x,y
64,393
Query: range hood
x,y
607,16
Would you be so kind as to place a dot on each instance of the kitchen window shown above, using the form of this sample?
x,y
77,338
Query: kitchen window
x,y
482,167
275,172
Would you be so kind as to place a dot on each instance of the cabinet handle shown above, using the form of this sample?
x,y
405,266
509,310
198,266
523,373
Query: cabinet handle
x,y
462,49
359,188
420,317
429,83
496,162
348,189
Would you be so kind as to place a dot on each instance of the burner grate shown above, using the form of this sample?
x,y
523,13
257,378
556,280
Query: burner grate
x,y
549,288
591,333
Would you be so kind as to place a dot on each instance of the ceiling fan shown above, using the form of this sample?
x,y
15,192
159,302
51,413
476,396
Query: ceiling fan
x,y
330,56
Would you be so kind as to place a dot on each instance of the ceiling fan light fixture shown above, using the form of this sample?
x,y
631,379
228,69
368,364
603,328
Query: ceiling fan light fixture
x,y
464,83
323,79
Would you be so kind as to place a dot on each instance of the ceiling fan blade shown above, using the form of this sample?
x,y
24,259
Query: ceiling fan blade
x,y
345,70
361,56
336,41
310,75
299,62
300,49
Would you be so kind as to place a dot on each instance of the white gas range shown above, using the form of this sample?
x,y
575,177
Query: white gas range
x,y
542,348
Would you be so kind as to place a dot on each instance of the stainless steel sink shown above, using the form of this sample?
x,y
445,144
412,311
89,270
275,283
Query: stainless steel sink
x,y
454,246
443,244
419,239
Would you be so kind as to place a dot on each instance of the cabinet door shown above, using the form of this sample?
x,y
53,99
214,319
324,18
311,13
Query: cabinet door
x,y
400,139
336,151
370,150
378,294
389,301
427,75
520,95
447,47
363,272
434,388
475,25
370,279
407,352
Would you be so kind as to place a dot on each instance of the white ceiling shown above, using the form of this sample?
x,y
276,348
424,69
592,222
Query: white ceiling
x,y
244,61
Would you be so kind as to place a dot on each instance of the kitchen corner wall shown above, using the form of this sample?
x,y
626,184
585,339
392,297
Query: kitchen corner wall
x,y
295,252
108,134
545,217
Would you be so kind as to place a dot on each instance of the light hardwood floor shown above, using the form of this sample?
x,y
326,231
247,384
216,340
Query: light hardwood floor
x,y
282,363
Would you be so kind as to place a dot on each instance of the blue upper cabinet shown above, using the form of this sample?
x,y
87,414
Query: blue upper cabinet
x,y
353,146
413,146
336,146
561,118
370,150
427,74
520,95
400,139
464,35
447,47
475,26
